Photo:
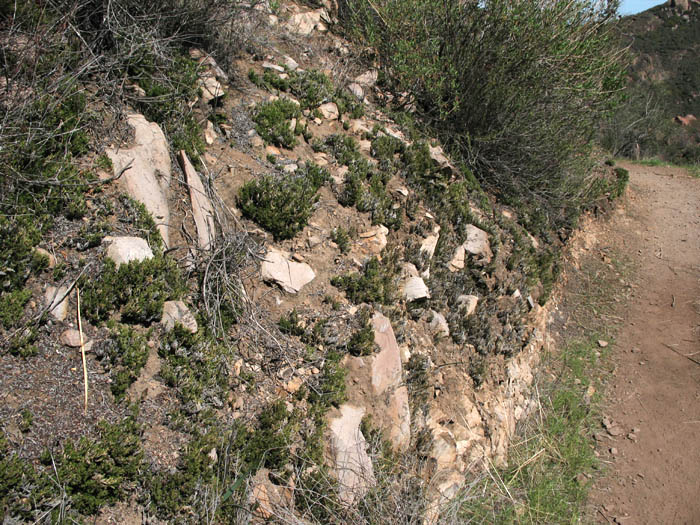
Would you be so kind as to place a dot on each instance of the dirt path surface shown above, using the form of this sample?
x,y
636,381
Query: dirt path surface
x,y
652,435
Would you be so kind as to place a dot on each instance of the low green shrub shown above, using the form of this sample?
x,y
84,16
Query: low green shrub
x,y
361,342
282,204
136,290
291,324
376,284
273,122
12,307
341,237
197,367
97,472
127,352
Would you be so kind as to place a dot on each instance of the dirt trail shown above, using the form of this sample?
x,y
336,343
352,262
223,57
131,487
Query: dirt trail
x,y
654,397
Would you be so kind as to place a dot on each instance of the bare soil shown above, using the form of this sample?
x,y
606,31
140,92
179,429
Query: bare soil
x,y
651,437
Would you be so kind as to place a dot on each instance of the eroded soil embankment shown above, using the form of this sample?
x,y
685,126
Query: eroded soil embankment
x,y
654,396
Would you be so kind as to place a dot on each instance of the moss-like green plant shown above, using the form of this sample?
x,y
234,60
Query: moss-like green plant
x,y
136,289
196,366
274,120
341,237
290,324
96,472
312,88
269,81
361,342
128,352
331,390
282,204
376,283
12,307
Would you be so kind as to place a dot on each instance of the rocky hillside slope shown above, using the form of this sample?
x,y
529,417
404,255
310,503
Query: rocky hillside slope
x,y
666,43
299,310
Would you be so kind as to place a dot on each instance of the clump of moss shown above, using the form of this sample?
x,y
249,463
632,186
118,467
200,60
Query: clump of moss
x,y
342,147
274,122
282,204
197,367
12,307
376,283
312,88
291,324
136,289
622,179
361,342
269,81
341,237
97,472
127,352
384,148
331,390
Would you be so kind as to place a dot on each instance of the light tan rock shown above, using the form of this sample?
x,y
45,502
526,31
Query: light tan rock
x,y
272,67
357,91
468,303
71,338
353,467
477,244
438,324
305,23
289,275
387,383
368,78
210,133
210,88
373,241
290,63
429,244
414,289
123,250
56,304
148,178
329,111
202,209
176,312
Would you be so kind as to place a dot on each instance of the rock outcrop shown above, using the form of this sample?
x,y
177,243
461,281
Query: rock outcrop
x,y
126,249
290,275
202,210
146,170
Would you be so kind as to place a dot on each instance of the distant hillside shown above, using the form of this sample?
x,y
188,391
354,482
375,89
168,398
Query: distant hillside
x,y
666,43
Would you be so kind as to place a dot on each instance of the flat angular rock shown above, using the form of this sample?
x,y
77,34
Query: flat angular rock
x,y
305,23
368,78
477,244
357,91
290,63
273,67
202,209
71,338
429,244
353,467
58,309
175,312
373,241
415,288
148,178
210,133
211,88
126,249
387,381
468,303
329,111
289,275
438,324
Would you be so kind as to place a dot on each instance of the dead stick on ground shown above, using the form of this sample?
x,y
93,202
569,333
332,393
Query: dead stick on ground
x,y
82,351
682,355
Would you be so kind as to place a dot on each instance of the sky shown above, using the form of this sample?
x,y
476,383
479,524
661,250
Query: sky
x,y
630,7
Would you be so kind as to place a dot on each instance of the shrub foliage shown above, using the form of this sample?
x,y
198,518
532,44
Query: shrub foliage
x,y
516,88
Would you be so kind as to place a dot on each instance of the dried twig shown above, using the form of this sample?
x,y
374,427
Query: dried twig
x,y
682,355
82,351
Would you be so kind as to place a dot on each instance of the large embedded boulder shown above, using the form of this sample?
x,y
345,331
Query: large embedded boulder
x,y
353,466
202,210
148,178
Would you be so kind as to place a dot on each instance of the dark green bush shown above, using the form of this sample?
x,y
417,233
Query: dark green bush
x,y
282,204
515,88
376,284
341,237
273,121
12,307
361,342
137,290
128,352
290,324
96,472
